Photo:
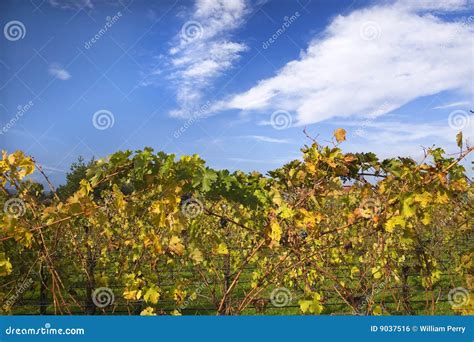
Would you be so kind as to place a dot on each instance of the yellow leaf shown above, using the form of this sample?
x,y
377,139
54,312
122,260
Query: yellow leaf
x,y
423,198
408,210
354,271
442,198
348,158
275,233
376,272
152,295
426,219
304,305
157,247
176,246
119,197
340,134
196,255
394,221
86,186
130,295
179,296
311,167
149,311
459,139
5,265
285,211
312,306
377,311
221,249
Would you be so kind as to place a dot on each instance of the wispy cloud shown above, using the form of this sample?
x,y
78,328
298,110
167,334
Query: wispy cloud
x,y
430,5
372,60
58,72
202,51
263,138
260,161
258,138
53,169
72,4
398,132
451,105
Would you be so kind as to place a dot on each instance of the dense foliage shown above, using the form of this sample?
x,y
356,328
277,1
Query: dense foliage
x,y
338,232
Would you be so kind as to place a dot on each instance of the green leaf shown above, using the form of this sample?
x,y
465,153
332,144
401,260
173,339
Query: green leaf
x,y
208,177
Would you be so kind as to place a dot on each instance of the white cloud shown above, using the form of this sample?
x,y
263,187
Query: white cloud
x,y
219,16
369,62
259,138
400,132
260,161
53,169
263,138
451,105
72,4
203,51
59,73
389,139
428,5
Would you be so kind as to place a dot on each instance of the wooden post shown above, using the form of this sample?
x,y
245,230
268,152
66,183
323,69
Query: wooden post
x,y
227,306
43,299
90,307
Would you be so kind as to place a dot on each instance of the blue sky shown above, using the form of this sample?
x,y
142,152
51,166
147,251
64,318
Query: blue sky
x,y
234,81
